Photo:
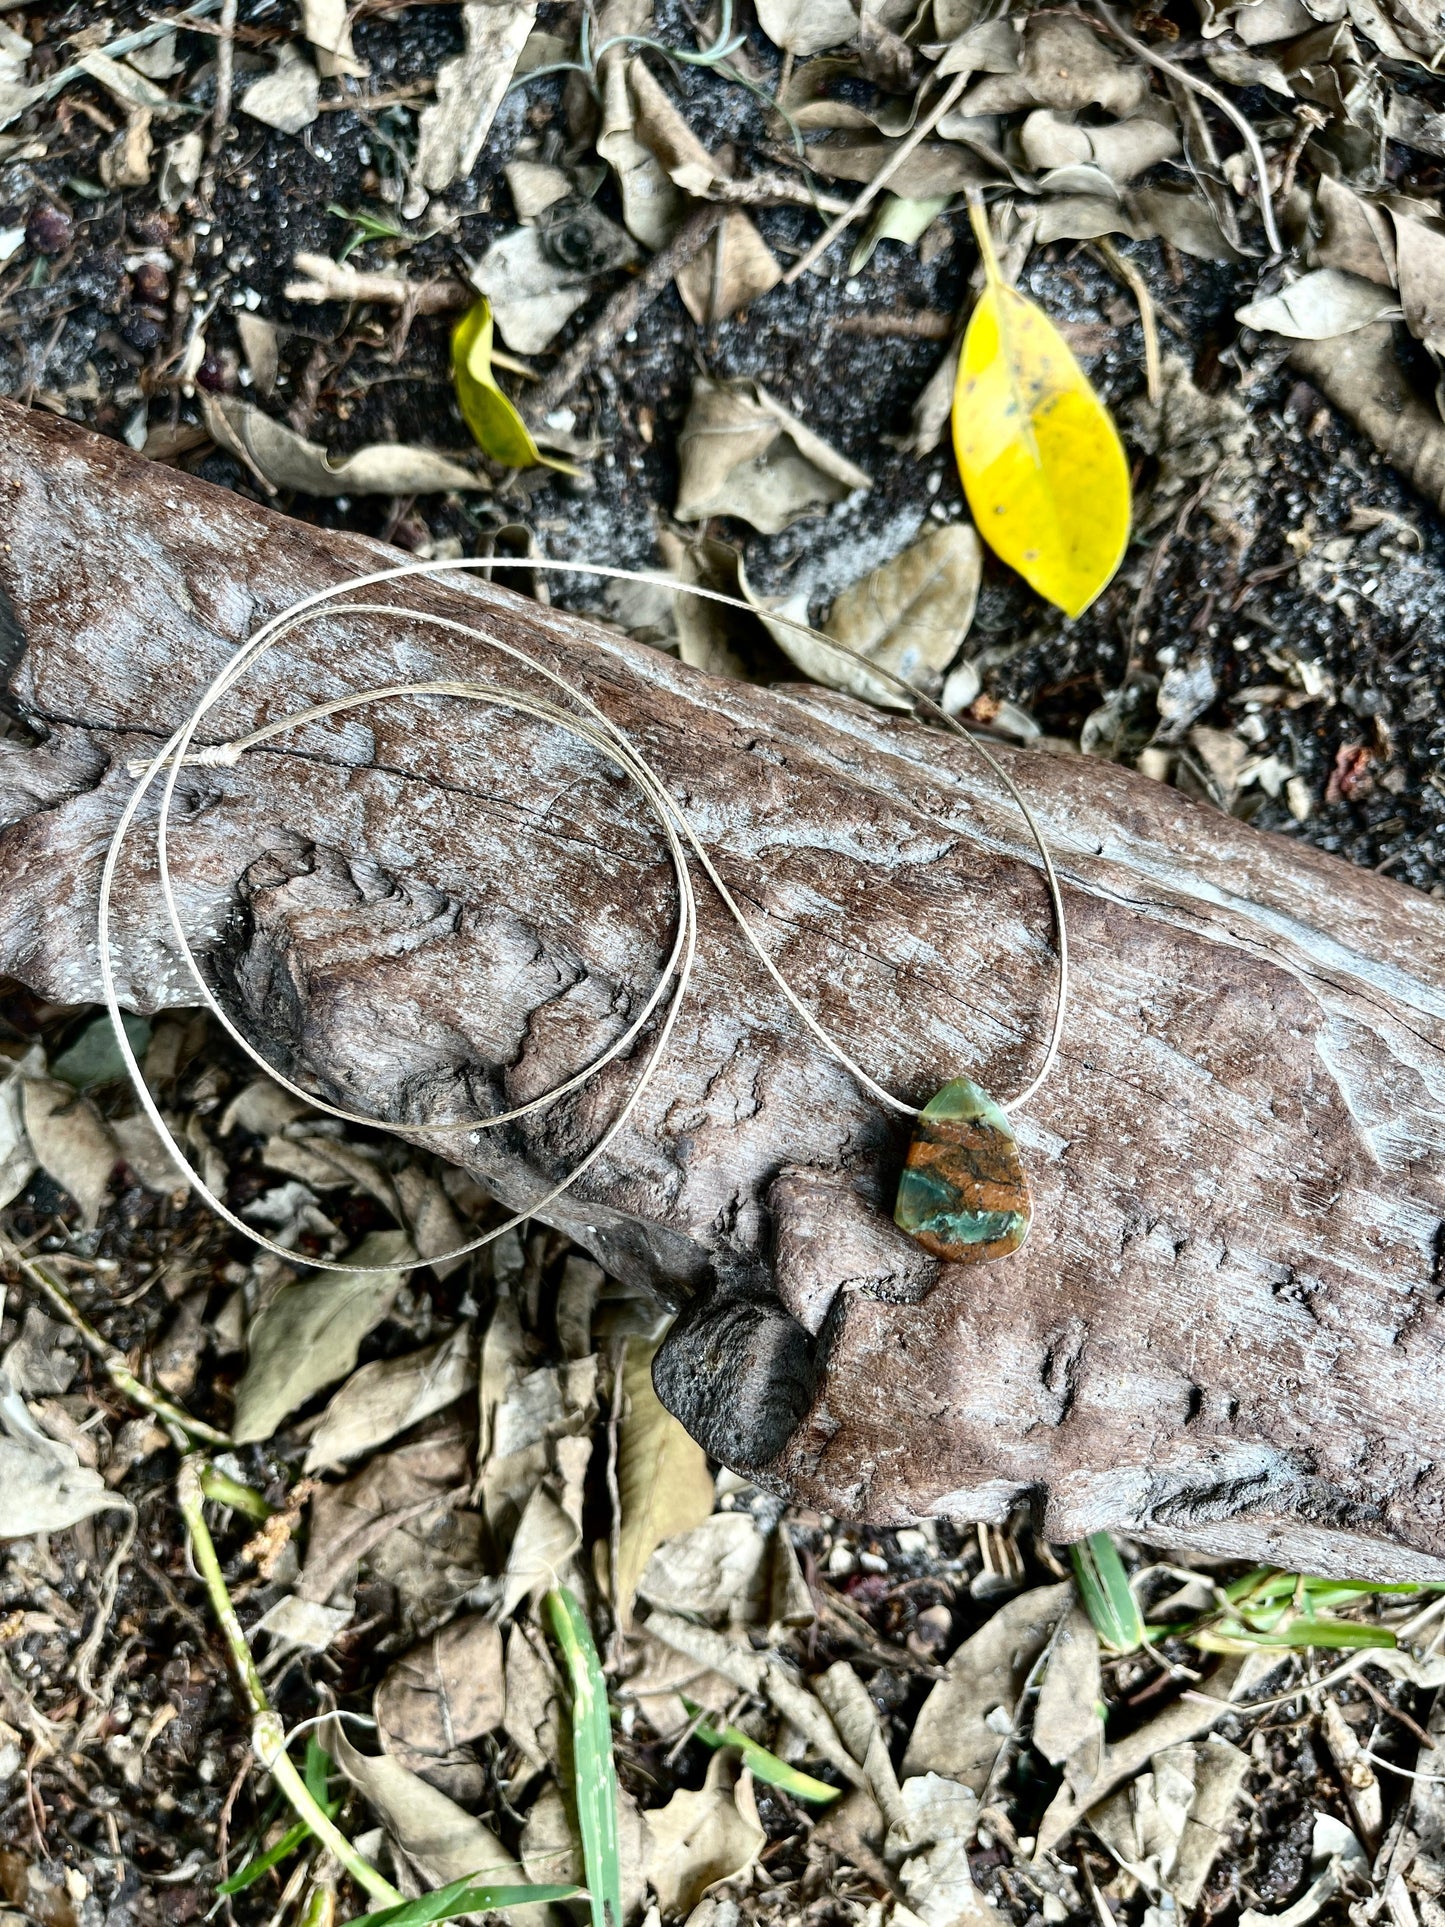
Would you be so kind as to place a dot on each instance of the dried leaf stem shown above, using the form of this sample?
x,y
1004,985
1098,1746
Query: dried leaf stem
x,y
622,311
171,1415
1207,91
268,1736
1127,271
880,180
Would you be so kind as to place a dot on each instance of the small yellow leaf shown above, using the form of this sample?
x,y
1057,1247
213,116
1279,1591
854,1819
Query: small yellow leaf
x,y
497,428
662,1477
1042,464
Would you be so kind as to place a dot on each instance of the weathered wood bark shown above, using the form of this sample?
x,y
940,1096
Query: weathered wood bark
x,y
1228,1327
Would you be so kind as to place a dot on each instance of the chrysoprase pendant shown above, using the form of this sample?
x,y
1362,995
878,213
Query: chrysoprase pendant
x,y
963,1194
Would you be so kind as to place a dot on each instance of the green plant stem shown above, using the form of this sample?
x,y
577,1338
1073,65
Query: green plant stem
x,y
268,1736
220,1489
119,1373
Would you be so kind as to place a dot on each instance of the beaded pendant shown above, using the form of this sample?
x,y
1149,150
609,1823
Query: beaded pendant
x,y
963,1194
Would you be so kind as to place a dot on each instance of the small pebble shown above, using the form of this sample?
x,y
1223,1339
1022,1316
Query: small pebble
x,y
49,229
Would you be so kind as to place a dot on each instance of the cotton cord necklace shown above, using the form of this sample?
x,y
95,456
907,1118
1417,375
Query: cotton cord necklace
x,y
962,1194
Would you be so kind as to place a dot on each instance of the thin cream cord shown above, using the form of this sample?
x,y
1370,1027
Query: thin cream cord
x,y
595,728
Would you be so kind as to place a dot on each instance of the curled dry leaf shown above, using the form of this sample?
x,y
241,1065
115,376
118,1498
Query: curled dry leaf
x,y
802,27
309,1334
1420,260
663,1482
280,458
1120,150
856,1718
390,1394
43,1485
1167,1828
546,1539
1068,1715
17,1160
496,426
536,279
897,218
1042,464
469,90
700,1839
444,1692
742,453
1321,304
288,98
734,268
417,1487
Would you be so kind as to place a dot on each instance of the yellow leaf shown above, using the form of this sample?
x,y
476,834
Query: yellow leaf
x,y
497,428
662,1477
1042,464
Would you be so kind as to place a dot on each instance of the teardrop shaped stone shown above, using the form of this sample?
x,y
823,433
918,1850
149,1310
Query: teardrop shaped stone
x,y
963,1194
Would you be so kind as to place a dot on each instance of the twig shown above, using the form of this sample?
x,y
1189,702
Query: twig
x,y
922,325
1128,272
1225,105
622,311
880,180
225,76
328,280
268,1736
121,1376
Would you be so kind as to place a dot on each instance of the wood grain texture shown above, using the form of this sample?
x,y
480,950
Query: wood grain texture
x,y
1227,1328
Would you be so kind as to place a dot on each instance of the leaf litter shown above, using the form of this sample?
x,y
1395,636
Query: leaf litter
x,y
1001,1759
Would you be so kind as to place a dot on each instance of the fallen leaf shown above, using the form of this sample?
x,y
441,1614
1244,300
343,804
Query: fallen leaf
x,y
706,631
536,279
952,1734
17,1160
327,26
16,95
666,1680
288,98
1420,262
444,1692
912,615
1355,234
1335,1856
94,1058
125,84
663,1482
1067,64
469,90
390,1394
717,1571
935,1876
1120,150
742,453
181,165
1068,1715
441,1840
126,162
303,1623
546,1539
700,1839
551,1846
71,1141
802,27
856,1718
281,458
496,426
43,1485
1168,1827
417,1484
1326,302
533,1700
1042,464
897,218
652,203
309,1334
731,272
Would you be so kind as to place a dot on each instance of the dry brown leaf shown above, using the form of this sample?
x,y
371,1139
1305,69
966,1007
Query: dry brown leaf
x,y
911,615
1355,235
802,27
71,1141
43,1485
700,1839
932,1841
327,26
1121,150
1320,305
705,630
547,1536
348,1522
551,1846
1068,1720
444,1692
952,1735
469,90
281,458
288,98
1420,263
533,292
717,1571
390,1394
1168,1827
663,1482
856,1718
309,1334
733,270
742,453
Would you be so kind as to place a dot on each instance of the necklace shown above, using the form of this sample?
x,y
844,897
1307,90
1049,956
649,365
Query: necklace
x,y
962,1195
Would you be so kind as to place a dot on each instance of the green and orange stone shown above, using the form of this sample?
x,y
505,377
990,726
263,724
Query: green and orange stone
x,y
963,1194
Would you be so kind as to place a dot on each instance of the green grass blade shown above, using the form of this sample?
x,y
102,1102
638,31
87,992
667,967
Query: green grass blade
x,y
254,1869
1107,1595
593,1768
1230,1636
763,1765
461,1897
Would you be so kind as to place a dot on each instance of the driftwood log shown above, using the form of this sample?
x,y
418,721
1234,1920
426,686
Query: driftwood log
x,y
1228,1328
